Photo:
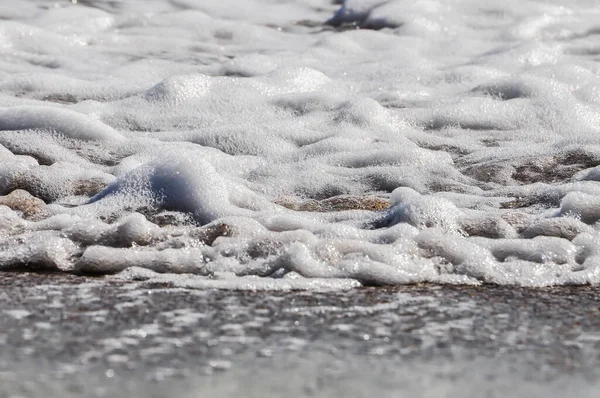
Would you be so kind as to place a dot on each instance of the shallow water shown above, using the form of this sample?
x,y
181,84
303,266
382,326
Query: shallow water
x,y
66,335
301,145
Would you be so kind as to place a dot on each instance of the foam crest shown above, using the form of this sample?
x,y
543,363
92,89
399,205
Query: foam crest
x,y
71,124
190,185
582,206
423,212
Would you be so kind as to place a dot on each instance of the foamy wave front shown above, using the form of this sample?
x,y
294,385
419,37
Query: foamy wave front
x,y
302,145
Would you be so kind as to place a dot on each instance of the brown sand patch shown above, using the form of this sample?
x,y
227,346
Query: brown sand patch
x,y
20,200
337,203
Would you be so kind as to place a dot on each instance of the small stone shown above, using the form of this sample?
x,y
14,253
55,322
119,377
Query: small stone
x,y
209,233
21,200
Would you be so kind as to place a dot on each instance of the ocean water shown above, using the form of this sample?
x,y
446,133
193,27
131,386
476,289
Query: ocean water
x,y
309,144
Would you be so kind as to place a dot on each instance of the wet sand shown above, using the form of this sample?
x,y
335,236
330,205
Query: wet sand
x,y
73,335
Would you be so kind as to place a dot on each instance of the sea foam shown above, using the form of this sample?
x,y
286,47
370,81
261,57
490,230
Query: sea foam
x,y
312,145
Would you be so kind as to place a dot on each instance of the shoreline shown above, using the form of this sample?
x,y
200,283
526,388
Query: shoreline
x,y
97,336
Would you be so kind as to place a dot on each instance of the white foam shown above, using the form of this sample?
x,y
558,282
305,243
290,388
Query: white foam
x,y
189,185
230,281
172,135
582,206
69,123
41,250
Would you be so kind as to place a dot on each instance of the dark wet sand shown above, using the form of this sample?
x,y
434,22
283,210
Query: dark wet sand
x,y
65,334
